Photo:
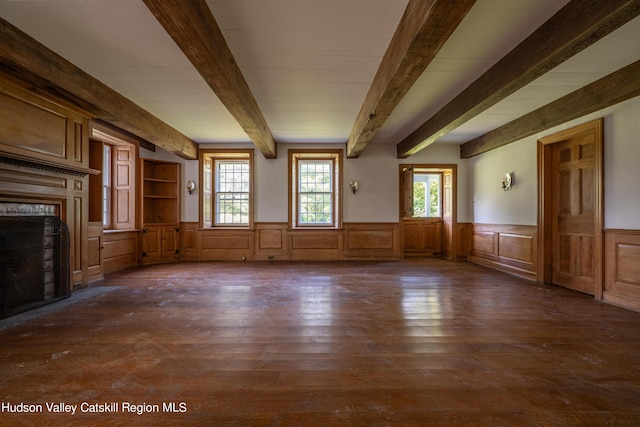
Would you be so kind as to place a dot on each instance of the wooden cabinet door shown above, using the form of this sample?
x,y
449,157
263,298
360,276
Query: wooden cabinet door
x,y
151,244
170,242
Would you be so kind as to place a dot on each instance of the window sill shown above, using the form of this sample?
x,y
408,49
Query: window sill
x,y
229,228
315,228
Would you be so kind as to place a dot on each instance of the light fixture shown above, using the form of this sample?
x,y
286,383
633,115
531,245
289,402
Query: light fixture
x,y
507,181
353,185
191,186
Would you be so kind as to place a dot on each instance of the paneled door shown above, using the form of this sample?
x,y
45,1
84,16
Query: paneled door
x,y
575,244
422,237
426,210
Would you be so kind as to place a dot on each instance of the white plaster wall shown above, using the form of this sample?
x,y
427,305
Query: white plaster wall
x,y
622,167
376,170
480,198
492,205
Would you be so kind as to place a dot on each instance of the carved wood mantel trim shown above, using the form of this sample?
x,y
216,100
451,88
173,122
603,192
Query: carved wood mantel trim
x,y
17,160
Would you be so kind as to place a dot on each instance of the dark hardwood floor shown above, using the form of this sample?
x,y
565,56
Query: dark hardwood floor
x,y
416,342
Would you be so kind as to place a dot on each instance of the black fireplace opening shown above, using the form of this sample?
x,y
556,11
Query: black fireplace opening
x,y
34,262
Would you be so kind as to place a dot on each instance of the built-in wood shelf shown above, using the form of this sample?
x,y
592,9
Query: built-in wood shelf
x,y
160,210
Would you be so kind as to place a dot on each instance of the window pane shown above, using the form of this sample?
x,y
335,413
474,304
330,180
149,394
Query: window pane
x,y
426,195
315,208
315,186
315,176
232,208
106,186
232,192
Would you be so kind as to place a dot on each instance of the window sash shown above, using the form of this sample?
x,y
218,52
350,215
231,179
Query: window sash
x,y
427,197
315,192
232,192
315,202
106,186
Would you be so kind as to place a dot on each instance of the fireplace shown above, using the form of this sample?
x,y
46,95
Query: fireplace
x,y
34,258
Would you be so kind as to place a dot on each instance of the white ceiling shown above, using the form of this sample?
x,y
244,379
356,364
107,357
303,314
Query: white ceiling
x,y
309,63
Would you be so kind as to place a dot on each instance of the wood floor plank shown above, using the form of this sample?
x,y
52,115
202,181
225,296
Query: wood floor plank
x,y
416,342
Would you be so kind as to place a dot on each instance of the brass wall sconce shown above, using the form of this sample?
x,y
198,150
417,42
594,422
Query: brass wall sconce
x,y
191,186
353,185
507,182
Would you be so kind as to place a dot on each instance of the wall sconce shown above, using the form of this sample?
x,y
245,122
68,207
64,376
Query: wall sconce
x,y
507,182
191,186
353,185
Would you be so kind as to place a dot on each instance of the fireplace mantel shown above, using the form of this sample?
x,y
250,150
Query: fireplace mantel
x,y
18,160
44,159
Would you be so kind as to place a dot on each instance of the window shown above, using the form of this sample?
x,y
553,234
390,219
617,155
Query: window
x,y
227,184
426,195
315,188
422,192
232,192
106,186
112,193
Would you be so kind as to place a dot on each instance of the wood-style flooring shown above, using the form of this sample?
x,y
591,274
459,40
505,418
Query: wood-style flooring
x,y
410,343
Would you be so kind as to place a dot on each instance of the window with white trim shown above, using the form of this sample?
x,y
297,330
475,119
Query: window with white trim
x,y
315,188
227,183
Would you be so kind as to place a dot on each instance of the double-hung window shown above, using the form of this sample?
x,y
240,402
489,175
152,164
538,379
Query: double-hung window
x,y
227,186
315,188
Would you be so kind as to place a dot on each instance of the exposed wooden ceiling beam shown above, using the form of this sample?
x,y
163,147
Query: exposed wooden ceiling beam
x,y
617,87
48,73
194,29
422,31
576,26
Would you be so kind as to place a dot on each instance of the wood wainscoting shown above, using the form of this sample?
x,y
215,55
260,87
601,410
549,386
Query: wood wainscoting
x,y
622,268
276,241
508,248
463,240
120,250
372,241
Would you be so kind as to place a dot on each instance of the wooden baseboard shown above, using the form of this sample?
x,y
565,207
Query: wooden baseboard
x,y
496,265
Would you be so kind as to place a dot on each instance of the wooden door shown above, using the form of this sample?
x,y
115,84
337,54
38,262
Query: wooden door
x,y
574,225
406,204
422,235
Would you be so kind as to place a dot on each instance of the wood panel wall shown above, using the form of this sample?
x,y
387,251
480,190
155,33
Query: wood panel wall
x,y
95,253
275,241
463,240
509,248
37,129
120,250
44,160
622,268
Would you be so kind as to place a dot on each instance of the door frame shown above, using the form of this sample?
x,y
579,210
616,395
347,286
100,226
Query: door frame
x,y
439,167
545,214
